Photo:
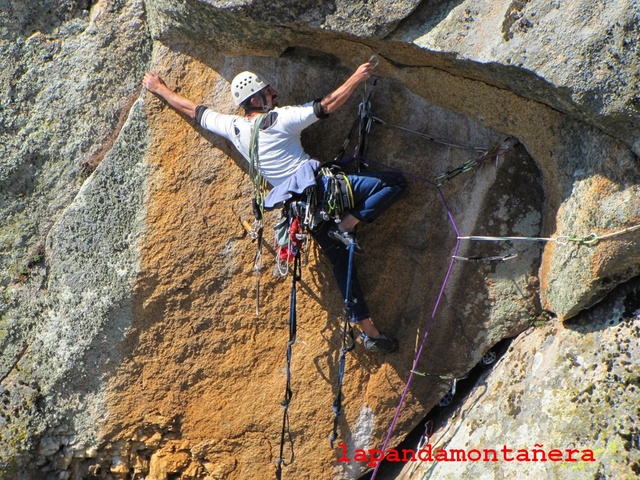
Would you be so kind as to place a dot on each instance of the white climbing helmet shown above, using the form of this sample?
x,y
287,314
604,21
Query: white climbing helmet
x,y
246,84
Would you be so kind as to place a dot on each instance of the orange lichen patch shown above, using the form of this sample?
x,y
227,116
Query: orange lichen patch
x,y
598,187
603,186
546,267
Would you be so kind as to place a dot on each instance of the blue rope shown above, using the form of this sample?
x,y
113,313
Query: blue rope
x,y
348,344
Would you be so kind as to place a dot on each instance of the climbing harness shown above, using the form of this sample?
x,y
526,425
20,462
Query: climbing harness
x,y
348,344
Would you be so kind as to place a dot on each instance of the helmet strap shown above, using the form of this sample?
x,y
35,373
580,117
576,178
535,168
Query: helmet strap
x,y
265,107
255,108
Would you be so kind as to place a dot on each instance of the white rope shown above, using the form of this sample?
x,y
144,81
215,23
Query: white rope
x,y
590,240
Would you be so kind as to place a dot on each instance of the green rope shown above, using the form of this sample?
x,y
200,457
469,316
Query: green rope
x,y
259,183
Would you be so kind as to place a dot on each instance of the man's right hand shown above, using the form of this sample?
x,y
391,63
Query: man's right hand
x,y
336,99
364,71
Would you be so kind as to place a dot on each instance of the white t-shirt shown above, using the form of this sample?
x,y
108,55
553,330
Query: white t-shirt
x,y
280,147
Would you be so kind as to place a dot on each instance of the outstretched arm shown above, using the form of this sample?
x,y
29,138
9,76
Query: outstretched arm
x,y
156,85
339,97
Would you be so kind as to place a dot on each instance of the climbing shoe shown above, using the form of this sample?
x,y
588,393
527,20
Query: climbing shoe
x,y
346,238
380,344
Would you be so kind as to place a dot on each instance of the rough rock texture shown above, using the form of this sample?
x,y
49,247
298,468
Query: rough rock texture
x,y
68,238
130,342
593,408
581,59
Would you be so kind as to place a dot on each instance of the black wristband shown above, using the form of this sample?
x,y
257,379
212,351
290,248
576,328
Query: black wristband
x,y
199,112
317,109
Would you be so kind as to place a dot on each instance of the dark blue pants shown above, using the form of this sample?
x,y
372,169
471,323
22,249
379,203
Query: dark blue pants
x,y
373,193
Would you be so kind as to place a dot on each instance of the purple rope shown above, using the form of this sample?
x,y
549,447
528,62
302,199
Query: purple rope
x,y
426,332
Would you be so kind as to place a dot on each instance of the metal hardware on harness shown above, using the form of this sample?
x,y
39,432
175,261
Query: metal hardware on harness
x,y
293,229
337,196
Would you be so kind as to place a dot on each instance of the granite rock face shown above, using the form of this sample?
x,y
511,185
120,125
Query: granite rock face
x,y
130,340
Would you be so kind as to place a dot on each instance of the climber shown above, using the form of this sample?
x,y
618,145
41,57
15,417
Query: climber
x,y
290,170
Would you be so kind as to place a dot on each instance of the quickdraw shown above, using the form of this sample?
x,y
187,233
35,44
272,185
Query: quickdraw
x,y
467,166
426,436
471,164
